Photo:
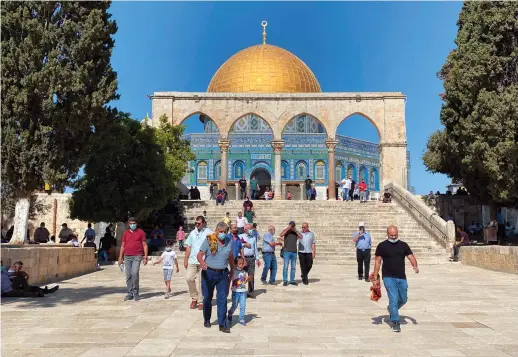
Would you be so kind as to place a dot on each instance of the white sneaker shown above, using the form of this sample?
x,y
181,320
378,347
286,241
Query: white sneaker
x,y
167,295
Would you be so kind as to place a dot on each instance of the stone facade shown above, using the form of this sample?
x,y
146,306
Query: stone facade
x,y
386,111
48,264
499,258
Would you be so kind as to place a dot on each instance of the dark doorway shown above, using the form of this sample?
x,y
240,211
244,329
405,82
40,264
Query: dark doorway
x,y
263,179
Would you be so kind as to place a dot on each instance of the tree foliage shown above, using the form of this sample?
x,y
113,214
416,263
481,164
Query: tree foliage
x,y
56,83
134,169
479,144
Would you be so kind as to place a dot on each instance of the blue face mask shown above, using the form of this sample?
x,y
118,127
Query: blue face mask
x,y
393,240
250,232
222,236
168,249
133,226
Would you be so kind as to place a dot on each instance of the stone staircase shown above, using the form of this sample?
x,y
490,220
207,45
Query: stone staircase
x,y
333,223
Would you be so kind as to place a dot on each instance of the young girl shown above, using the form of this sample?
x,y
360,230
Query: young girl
x,y
180,237
168,256
239,280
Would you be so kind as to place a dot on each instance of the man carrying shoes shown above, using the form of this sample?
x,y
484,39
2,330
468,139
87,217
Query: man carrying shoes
x,y
363,242
393,252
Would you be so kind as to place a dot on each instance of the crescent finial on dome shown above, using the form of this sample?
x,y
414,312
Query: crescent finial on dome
x,y
264,24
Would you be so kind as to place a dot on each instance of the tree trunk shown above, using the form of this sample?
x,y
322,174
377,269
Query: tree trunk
x,y
21,217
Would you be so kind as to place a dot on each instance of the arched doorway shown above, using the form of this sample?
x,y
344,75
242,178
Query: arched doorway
x,y
264,179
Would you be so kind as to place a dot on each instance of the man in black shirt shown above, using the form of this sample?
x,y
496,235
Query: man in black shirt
x,y
291,237
393,252
242,186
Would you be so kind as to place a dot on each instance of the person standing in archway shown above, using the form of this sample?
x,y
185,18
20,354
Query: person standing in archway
x,y
254,188
308,183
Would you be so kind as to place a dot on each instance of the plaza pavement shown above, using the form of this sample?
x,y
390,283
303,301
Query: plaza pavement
x,y
453,310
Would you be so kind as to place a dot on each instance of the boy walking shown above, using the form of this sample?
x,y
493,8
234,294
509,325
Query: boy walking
x,y
168,257
239,280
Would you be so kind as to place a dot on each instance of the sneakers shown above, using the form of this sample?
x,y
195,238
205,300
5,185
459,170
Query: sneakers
x,y
271,283
264,281
136,297
242,322
305,282
128,297
396,327
224,329
193,305
294,283
285,283
166,295
206,324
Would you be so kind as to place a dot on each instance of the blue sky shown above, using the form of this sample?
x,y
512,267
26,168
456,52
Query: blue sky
x,y
349,46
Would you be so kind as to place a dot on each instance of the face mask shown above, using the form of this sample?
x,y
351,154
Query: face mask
x,y
393,240
133,226
250,232
222,236
168,249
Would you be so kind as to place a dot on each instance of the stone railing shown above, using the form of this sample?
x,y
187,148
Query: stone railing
x,y
444,232
50,263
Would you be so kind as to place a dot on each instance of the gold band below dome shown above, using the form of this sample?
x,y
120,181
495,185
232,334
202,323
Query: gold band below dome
x,y
264,69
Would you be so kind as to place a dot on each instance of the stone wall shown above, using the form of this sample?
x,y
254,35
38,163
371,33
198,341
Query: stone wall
x,y
50,263
493,257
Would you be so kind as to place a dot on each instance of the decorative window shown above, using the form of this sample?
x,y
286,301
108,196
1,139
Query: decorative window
x,y
373,179
285,170
239,169
301,170
338,172
217,170
320,170
202,170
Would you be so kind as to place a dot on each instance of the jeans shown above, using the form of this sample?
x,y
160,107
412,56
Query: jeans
x,y
211,280
306,263
254,192
243,193
180,244
132,268
289,257
397,294
211,195
363,257
102,255
270,264
363,196
238,297
345,194
308,193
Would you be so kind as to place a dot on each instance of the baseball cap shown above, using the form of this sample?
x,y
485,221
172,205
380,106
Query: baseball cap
x,y
361,224
292,223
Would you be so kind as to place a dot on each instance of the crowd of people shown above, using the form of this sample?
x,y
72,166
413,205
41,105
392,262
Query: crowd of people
x,y
223,261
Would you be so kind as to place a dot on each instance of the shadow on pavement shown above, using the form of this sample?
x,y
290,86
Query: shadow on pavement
x,y
386,319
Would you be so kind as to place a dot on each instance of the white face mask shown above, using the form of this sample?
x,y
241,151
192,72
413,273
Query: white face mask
x,y
393,240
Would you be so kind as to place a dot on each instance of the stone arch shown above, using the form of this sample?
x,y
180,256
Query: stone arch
x,y
342,119
238,169
339,170
217,170
287,116
232,122
199,112
301,170
373,182
202,171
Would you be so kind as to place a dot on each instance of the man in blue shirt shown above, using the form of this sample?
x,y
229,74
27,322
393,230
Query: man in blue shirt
x,y
89,233
237,244
270,260
363,242
251,256
214,259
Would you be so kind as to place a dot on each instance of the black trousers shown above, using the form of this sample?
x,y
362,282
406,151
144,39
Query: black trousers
x,y
250,269
306,263
363,257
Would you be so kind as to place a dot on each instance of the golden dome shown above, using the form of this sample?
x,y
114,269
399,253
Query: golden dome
x,y
264,69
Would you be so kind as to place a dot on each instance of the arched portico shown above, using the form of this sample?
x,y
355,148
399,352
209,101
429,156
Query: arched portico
x,y
386,111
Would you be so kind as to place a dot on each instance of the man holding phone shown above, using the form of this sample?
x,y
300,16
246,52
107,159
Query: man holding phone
x,y
291,237
363,242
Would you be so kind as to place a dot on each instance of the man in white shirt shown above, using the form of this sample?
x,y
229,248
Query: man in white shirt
x,y
241,222
346,187
190,262
251,256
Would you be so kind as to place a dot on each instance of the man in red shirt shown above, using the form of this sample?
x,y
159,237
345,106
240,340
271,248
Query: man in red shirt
x,y
363,191
134,250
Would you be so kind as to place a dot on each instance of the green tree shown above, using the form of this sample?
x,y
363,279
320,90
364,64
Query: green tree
x,y
135,169
56,83
479,144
